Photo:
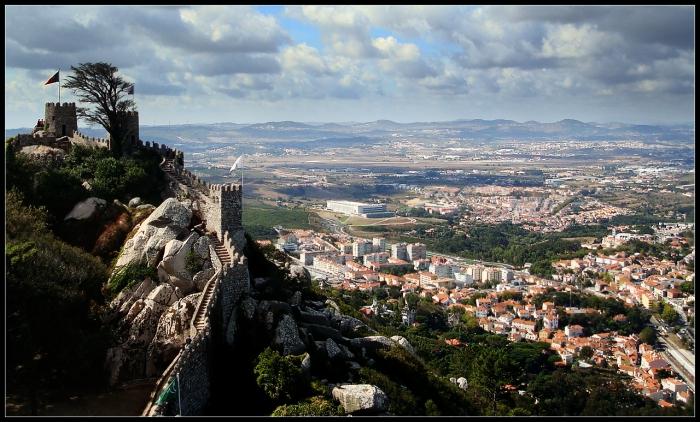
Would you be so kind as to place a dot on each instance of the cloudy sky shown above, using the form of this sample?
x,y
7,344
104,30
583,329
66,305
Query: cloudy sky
x,y
362,63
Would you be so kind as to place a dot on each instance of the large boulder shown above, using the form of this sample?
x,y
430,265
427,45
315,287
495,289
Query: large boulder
x,y
135,202
401,341
323,332
201,247
333,350
314,317
175,257
164,224
361,398
287,336
248,306
299,272
372,342
352,327
201,278
127,297
87,209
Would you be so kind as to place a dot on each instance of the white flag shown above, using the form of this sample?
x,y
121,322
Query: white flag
x,y
235,165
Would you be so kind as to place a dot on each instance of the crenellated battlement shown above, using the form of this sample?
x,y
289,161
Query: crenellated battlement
x,y
67,106
98,142
226,187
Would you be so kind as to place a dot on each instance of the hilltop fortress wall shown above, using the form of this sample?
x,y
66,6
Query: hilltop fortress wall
x,y
220,208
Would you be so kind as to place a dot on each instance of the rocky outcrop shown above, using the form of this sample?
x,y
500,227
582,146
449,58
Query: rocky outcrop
x,y
173,268
361,398
171,333
352,327
461,382
135,202
287,336
372,342
87,209
401,341
164,224
141,308
200,279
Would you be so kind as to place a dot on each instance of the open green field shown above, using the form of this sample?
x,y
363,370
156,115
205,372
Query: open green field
x,y
259,219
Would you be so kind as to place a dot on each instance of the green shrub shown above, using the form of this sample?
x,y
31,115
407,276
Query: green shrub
x,y
278,376
193,263
54,337
129,275
314,406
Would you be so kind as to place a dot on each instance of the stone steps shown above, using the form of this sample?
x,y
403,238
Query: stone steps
x,y
225,259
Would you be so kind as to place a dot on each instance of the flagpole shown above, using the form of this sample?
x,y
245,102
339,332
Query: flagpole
x,y
59,86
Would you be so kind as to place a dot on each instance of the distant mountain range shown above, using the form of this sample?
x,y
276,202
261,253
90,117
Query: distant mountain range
x,y
477,130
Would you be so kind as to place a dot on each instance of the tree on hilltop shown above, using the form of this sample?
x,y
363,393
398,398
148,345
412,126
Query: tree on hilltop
x,y
99,87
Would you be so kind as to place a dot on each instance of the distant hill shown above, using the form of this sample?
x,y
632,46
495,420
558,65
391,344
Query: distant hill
x,y
478,130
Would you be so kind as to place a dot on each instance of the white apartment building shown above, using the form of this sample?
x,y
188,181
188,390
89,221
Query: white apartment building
x,y
399,251
416,251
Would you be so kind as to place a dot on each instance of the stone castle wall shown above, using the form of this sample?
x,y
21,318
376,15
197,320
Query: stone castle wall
x,y
91,140
60,119
221,209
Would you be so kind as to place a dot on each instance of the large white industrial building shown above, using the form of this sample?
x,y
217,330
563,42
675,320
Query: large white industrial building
x,y
359,208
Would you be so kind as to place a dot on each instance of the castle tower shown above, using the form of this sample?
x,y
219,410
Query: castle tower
x,y
225,214
130,120
60,119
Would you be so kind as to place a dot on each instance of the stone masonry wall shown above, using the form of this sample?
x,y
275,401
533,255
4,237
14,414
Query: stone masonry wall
x,y
60,119
222,212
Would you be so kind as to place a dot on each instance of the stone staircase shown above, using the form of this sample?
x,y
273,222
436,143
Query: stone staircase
x,y
222,254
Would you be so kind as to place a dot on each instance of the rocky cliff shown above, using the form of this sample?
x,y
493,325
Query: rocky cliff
x,y
152,317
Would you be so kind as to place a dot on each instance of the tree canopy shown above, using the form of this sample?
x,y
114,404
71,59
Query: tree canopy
x,y
99,87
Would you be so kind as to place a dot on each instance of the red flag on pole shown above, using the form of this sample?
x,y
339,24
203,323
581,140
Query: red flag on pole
x,y
53,79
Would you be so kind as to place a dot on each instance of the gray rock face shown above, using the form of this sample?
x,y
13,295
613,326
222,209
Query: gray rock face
x,y
248,306
86,209
175,257
164,224
127,297
172,331
135,202
372,342
300,272
313,317
142,307
200,279
201,247
334,306
295,300
361,398
163,295
352,327
322,332
333,351
287,336
404,343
